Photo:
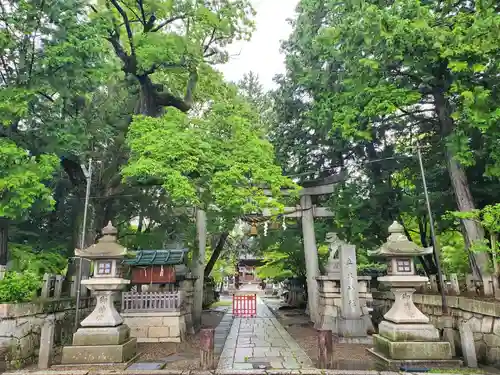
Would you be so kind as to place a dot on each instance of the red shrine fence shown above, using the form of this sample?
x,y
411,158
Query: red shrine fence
x,y
244,305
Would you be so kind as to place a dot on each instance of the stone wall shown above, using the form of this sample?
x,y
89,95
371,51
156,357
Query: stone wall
x,y
21,324
330,301
165,326
483,317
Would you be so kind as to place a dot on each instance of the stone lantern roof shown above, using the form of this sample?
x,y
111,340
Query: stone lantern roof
x,y
106,247
398,245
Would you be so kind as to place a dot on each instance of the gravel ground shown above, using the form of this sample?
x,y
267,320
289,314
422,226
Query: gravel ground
x,y
183,356
345,356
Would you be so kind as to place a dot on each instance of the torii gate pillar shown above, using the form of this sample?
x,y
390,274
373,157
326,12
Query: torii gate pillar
x,y
311,256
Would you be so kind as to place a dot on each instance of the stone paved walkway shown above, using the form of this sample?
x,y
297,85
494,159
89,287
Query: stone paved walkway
x,y
261,343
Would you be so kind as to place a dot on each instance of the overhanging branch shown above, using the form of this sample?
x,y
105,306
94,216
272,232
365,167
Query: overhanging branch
x,y
127,24
168,21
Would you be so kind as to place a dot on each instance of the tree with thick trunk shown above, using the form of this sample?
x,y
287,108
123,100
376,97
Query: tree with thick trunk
x,y
423,69
473,231
221,242
165,40
171,41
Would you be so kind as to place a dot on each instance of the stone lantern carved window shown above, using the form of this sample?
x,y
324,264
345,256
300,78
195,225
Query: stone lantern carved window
x,y
104,268
403,265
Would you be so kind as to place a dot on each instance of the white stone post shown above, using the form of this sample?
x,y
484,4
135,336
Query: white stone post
x,y
455,286
434,283
58,286
198,267
471,283
468,347
351,324
46,342
46,286
72,282
311,256
3,270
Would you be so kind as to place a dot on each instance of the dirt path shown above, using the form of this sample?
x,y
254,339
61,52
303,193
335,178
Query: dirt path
x,y
345,356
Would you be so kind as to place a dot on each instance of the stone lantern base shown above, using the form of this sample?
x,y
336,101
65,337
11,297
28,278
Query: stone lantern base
x,y
103,338
411,344
405,336
100,345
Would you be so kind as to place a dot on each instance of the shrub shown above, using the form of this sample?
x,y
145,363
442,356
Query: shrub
x,y
24,259
19,287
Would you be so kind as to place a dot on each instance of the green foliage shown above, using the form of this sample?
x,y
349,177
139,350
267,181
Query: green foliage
x,y
365,81
21,179
23,259
53,59
19,287
283,252
275,267
132,239
489,218
224,266
454,257
365,264
220,153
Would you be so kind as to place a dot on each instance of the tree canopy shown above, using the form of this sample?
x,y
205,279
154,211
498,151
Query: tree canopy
x,y
135,86
366,83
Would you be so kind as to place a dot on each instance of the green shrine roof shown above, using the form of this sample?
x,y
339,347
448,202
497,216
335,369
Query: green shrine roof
x,y
157,257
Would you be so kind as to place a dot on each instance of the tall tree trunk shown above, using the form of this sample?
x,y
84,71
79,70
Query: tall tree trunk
x,y
216,253
422,228
4,240
147,104
473,231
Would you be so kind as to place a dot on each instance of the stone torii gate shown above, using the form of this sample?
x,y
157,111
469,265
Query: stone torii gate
x,y
307,212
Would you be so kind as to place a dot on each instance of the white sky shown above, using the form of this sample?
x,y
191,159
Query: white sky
x,y
262,54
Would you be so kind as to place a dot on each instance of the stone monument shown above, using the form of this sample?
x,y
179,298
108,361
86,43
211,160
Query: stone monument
x,y
103,338
337,288
405,335
351,323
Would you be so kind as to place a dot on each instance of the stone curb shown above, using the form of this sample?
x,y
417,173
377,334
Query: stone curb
x,y
222,330
219,372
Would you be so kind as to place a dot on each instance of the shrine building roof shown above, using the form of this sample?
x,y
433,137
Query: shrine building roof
x,y
170,257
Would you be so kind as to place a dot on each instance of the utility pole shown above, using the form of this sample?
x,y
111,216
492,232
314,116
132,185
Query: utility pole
x,y
433,233
88,176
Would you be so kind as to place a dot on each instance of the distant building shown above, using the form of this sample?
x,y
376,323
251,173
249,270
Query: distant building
x,y
247,265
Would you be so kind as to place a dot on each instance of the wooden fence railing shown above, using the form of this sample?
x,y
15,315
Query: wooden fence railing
x,y
51,286
150,301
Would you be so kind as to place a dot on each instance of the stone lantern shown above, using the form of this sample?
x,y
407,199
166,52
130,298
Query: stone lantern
x,y
405,335
103,338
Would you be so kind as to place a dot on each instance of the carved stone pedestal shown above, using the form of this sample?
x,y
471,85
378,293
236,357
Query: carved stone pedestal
x,y
329,303
103,338
405,335
100,345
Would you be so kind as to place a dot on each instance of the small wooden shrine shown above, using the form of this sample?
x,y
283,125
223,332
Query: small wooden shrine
x,y
157,266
